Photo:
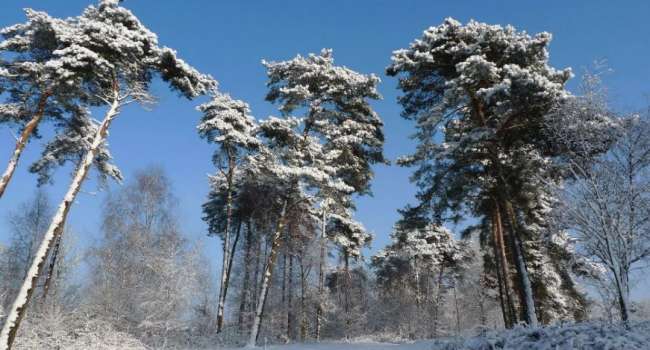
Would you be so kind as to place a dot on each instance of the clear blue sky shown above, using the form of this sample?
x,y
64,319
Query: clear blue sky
x,y
228,39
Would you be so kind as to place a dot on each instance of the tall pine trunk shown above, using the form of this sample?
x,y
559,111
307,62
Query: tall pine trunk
x,y
17,311
25,135
303,299
505,269
527,300
436,302
290,314
231,258
346,294
498,262
321,277
525,287
221,304
245,292
266,277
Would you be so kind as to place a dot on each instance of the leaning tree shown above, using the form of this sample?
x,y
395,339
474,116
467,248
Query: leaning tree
x,y
119,58
35,85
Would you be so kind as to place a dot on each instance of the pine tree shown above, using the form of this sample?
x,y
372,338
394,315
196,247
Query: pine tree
x,y
291,164
37,88
228,123
335,104
118,57
487,90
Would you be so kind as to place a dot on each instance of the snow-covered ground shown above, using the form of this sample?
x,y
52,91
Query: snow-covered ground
x,y
423,345
584,336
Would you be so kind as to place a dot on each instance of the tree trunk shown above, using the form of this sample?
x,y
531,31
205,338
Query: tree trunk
x,y
52,265
417,282
22,141
245,292
321,277
505,270
303,298
623,306
526,290
346,294
231,257
498,262
55,229
221,304
266,277
457,309
436,303
290,315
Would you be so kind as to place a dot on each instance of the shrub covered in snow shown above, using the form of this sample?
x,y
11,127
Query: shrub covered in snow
x,y
72,331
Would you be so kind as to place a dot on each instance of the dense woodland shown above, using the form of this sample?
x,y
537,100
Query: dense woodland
x,y
550,188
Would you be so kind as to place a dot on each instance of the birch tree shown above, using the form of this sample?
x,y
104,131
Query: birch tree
x,y
119,58
607,199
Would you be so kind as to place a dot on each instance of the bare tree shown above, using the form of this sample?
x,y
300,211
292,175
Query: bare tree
x,y
607,203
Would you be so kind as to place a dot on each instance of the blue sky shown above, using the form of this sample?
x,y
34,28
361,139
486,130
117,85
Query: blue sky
x,y
228,39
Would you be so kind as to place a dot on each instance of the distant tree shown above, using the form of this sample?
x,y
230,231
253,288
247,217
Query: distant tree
x,y
420,258
144,274
27,225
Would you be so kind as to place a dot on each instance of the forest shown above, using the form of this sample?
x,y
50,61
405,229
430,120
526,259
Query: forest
x,y
529,228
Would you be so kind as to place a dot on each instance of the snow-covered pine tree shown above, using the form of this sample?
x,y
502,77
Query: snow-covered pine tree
x,y
335,104
36,88
487,90
295,166
227,123
119,58
71,144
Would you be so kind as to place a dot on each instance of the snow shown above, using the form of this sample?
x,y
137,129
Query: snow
x,y
361,345
582,336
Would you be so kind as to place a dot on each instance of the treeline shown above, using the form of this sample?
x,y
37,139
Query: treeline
x,y
551,189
